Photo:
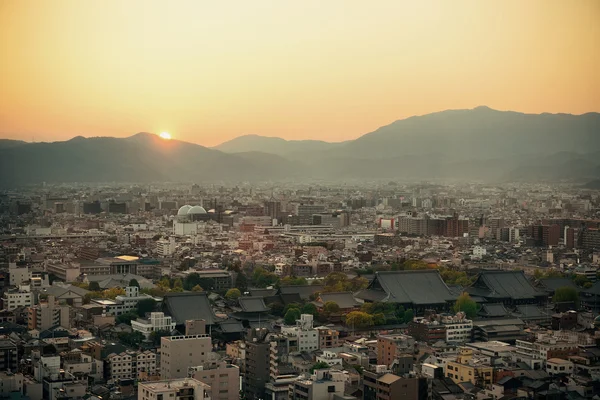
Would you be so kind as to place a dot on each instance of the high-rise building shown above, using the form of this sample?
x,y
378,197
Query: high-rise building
x,y
9,359
178,353
256,364
48,315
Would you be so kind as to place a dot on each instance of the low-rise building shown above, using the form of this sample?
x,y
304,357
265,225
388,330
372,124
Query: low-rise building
x,y
174,389
158,321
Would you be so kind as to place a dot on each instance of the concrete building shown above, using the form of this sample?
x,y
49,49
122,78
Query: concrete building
x,y
558,366
328,337
9,359
124,304
389,347
166,248
14,298
18,274
158,321
322,385
64,271
256,364
48,315
469,368
223,378
308,337
383,385
174,389
11,384
131,364
179,353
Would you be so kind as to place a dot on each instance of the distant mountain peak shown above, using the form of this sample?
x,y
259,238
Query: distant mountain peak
x,y
141,135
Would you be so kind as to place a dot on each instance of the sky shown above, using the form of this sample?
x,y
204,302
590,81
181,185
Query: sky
x,y
209,71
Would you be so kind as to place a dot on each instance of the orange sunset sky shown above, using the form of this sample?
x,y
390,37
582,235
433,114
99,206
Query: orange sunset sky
x,y
208,71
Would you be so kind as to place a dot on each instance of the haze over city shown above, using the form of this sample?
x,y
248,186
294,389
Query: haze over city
x,y
207,72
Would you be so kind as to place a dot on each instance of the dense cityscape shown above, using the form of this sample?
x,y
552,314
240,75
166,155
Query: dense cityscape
x,y
323,291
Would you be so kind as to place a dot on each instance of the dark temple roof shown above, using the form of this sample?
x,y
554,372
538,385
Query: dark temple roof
x,y
420,287
342,299
252,304
189,305
551,284
493,310
260,292
504,285
303,290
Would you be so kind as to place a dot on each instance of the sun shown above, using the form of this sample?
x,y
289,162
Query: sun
x,y
165,135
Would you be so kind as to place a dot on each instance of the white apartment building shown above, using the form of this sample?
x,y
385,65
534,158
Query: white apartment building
x,y
308,337
166,248
330,358
479,251
123,304
18,274
158,321
458,329
21,297
129,364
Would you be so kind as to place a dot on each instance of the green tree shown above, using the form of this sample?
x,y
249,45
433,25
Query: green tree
x,y
131,339
233,294
580,280
241,282
145,306
191,280
291,316
310,308
292,281
126,318
94,286
156,335
466,304
331,307
379,319
178,283
319,365
277,309
409,315
359,319
565,294
262,278
197,288
134,282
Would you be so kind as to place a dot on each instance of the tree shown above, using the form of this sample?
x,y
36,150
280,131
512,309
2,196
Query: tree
x,y
277,309
293,281
134,282
310,308
379,319
580,280
191,280
145,306
197,288
466,304
126,318
319,365
233,294
131,339
262,278
178,283
331,307
291,316
156,335
94,286
565,294
241,282
409,315
290,306
359,319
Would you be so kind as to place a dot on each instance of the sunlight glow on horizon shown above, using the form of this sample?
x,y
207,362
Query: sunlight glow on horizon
x,y
165,135
333,71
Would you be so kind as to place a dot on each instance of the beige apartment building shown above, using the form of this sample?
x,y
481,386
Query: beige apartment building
x,y
223,378
178,353
174,389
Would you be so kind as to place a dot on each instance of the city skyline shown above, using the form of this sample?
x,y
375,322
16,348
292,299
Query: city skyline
x,y
331,71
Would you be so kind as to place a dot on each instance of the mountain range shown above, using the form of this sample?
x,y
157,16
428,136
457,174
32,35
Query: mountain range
x,y
457,145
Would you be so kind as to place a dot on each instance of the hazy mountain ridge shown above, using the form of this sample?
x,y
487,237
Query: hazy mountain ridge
x,y
478,144
273,145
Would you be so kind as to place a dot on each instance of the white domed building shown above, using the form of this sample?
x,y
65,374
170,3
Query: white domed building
x,y
189,220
